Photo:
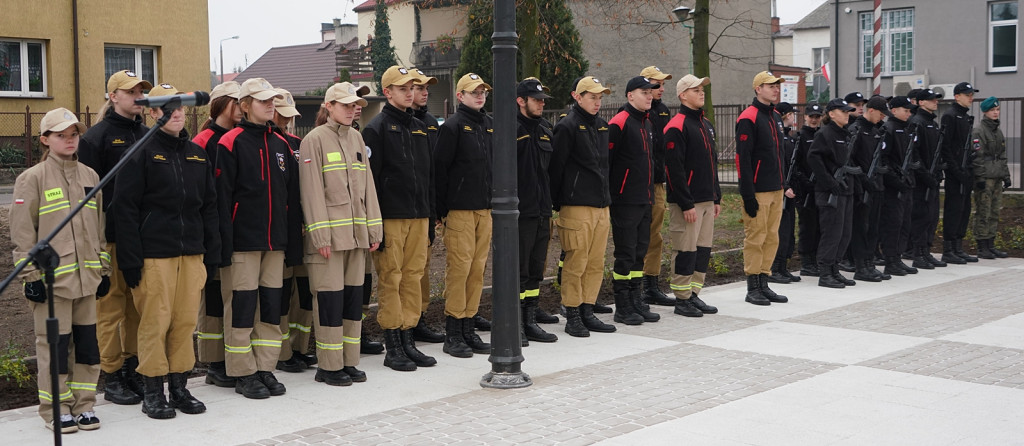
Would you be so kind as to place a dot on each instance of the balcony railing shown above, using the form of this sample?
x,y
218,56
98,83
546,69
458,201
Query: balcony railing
x,y
432,54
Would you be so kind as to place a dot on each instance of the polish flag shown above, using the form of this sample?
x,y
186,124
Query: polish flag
x,y
825,72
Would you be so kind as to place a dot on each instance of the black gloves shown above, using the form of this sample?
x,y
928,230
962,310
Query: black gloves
x,y
132,277
104,287
979,185
35,291
380,247
1007,183
750,206
837,188
929,180
431,233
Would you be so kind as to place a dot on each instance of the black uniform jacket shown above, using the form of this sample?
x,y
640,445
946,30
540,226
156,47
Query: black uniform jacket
x,y
864,150
691,160
801,179
208,139
759,149
533,156
898,136
828,153
430,121
956,129
462,162
579,164
927,140
168,203
401,164
660,115
629,157
257,193
101,147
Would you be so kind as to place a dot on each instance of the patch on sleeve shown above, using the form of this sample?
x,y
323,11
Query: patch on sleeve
x,y
19,201
307,161
743,137
671,145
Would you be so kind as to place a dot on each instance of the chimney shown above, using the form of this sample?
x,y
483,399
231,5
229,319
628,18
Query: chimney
x,y
337,32
775,25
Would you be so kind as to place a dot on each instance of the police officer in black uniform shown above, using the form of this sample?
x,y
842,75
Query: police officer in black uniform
x,y
894,226
924,217
869,137
829,152
804,189
957,153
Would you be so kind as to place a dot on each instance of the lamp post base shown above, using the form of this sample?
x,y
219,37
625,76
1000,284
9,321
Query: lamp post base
x,y
517,380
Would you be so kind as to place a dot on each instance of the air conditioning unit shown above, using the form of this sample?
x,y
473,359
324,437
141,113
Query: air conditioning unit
x,y
901,85
946,90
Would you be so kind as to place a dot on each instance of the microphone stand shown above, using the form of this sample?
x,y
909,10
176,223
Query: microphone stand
x,y
45,258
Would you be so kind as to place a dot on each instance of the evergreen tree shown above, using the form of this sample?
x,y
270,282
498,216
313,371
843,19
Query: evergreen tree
x,y
382,54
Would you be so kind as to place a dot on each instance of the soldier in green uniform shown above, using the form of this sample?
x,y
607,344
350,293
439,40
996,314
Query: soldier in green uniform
x,y
991,176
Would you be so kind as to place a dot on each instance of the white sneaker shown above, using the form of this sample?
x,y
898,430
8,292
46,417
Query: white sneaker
x,y
87,421
67,424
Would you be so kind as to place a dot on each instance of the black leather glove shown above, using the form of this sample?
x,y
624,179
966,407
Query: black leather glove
x,y
431,233
380,247
979,185
132,277
104,287
35,291
1007,183
750,206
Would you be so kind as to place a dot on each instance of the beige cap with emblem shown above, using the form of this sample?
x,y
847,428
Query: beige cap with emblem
x,y
258,88
126,80
59,119
345,93
285,104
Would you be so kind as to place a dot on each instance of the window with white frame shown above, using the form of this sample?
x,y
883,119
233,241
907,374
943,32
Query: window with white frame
x,y
1002,36
897,38
140,59
22,68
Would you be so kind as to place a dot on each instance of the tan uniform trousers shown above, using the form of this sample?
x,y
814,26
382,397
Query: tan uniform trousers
x,y
761,233
168,302
338,331
77,381
652,262
685,238
467,239
210,328
425,283
399,272
252,344
297,324
117,320
583,231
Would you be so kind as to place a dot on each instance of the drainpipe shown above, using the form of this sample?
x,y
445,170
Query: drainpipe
x,y
74,29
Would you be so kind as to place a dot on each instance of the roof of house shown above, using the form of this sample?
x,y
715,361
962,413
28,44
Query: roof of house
x,y
370,5
785,31
819,18
297,68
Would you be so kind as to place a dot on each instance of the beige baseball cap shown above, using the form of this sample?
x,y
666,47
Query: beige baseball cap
x,y
229,89
59,119
470,82
689,81
258,88
345,93
163,90
423,79
285,104
397,75
653,72
591,84
126,80
765,77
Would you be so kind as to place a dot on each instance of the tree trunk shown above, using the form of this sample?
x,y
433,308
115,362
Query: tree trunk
x,y
702,53
528,18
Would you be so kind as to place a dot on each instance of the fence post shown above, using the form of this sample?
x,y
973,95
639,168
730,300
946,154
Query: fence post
x,y
88,117
28,137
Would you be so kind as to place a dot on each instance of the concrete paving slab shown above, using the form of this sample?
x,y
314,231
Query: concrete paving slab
x,y
1006,332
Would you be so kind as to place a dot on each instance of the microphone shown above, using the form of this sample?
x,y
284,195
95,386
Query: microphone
x,y
195,98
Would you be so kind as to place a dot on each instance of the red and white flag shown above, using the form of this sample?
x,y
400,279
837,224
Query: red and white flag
x,y
825,72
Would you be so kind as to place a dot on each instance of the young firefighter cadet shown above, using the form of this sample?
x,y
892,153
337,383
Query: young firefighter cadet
x,y
868,133
629,181
43,196
694,195
579,192
894,226
260,234
991,176
759,168
808,232
659,117
957,154
533,154
787,225
924,217
403,175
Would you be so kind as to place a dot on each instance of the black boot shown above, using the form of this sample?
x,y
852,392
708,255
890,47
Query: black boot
x,y
949,254
395,357
809,266
305,358
533,331
332,377
542,316
921,259
132,379
636,297
180,397
827,279
768,293
601,308
653,294
700,305
624,311
472,339
685,307
592,322
421,332
909,254
454,344
481,323
574,323
996,252
892,267
927,252
251,387
217,375
983,250
369,347
754,295
838,276
155,403
846,265
292,365
958,249
413,353
866,273
356,375
270,381
523,341
116,391
909,269
784,270
777,276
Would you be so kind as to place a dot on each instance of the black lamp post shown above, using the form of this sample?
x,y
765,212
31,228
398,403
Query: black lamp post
x,y
506,350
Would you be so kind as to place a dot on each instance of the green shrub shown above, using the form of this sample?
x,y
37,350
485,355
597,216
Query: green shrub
x,y
13,367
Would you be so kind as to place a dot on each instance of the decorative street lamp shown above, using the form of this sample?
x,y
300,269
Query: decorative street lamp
x,y
506,349
682,14
222,56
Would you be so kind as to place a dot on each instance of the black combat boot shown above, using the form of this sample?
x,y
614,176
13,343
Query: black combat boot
x,y
921,259
154,404
531,330
809,266
601,308
949,254
270,381
784,270
472,339
413,353
251,387
838,276
892,266
700,305
754,295
685,307
846,265
116,390
395,356
356,375
292,365
909,269
653,294
574,323
624,311
866,273
768,293
827,279
983,250
217,375
132,379
996,252
481,323
332,377
958,249
180,397
543,317
636,297
592,322
927,252
368,346
454,344
777,276
421,332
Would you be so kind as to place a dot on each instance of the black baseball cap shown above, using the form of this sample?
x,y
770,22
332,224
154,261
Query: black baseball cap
x,y
839,104
900,101
854,98
813,109
640,82
928,94
912,94
964,87
879,103
784,107
531,88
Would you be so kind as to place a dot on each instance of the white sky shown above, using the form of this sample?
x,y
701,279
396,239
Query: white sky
x,y
263,24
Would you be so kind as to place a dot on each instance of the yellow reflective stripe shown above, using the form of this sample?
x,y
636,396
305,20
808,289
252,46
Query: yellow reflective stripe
x,y
54,207
266,343
617,276
20,261
82,386
210,336
679,287
326,346
350,340
533,293
364,317
286,336
44,395
240,349
560,263
636,274
697,284
334,166
104,256
93,264
374,222
91,204
522,295
66,269
359,166
302,328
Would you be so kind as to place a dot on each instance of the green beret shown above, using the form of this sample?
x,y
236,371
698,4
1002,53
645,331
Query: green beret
x,y
989,103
